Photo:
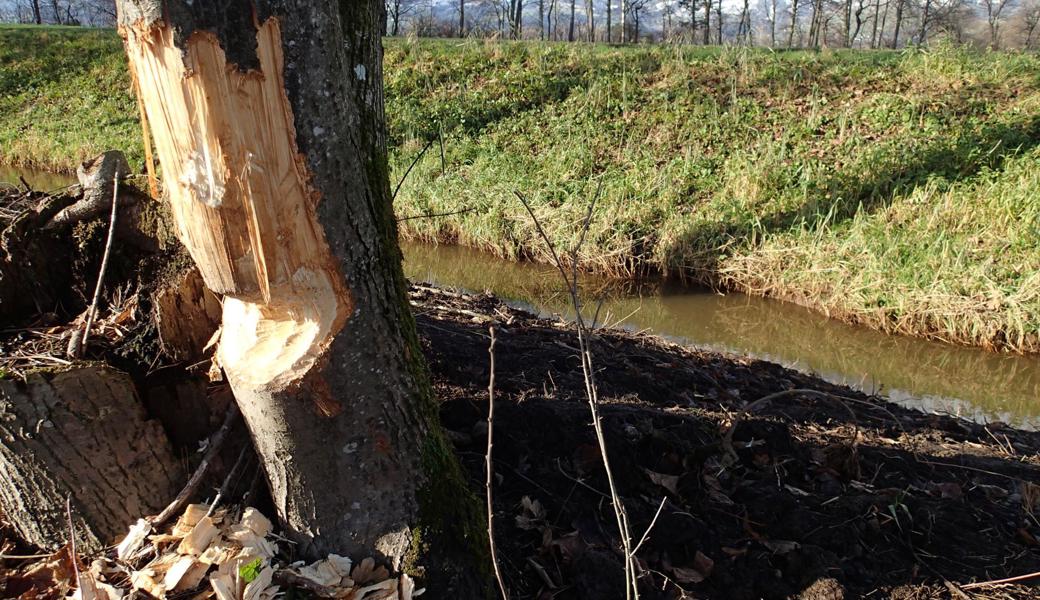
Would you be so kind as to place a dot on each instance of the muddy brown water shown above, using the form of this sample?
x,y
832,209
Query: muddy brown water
x,y
42,181
929,376
920,374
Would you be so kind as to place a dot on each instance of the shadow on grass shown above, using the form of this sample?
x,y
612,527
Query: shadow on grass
x,y
842,196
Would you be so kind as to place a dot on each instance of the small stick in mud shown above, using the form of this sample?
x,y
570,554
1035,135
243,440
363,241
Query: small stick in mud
x,y
490,466
78,344
591,391
215,444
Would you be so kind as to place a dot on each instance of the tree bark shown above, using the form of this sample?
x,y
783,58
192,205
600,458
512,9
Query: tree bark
x,y
80,434
37,15
794,24
268,119
899,23
707,21
570,30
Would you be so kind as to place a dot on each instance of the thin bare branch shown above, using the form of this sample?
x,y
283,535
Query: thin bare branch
x,y
490,469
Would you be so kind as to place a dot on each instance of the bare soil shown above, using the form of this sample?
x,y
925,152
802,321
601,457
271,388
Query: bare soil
x,y
816,492
771,483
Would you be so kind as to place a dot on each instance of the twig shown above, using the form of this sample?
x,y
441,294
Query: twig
x,y
226,487
72,542
92,311
215,444
653,522
440,136
24,556
490,466
418,157
591,391
434,215
1016,579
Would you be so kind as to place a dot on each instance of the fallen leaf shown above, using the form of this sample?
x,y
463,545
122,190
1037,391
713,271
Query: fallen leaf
x,y
668,482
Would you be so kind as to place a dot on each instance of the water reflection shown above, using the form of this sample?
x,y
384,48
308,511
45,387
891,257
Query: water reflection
x,y
40,181
926,375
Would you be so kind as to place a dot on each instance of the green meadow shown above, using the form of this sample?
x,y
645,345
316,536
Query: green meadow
x,y
898,190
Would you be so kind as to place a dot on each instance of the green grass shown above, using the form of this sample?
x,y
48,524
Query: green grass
x,y
65,96
894,189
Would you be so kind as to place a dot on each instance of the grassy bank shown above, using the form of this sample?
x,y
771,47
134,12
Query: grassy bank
x,y
898,190
64,96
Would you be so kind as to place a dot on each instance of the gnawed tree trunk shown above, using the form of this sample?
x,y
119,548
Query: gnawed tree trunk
x,y
186,316
268,121
83,434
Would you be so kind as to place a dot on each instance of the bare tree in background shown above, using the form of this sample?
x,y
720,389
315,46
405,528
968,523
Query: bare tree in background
x,y
396,12
793,26
570,29
994,19
900,6
744,26
922,31
1030,20
516,19
590,19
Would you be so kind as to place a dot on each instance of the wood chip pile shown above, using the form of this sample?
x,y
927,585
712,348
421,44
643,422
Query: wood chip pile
x,y
211,555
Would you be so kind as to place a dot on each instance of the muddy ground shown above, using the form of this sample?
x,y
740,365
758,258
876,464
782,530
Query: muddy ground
x,y
813,490
769,483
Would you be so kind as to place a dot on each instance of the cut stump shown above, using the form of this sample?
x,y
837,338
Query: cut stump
x,y
80,433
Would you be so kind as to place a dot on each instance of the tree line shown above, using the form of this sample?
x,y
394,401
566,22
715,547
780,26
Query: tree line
x,y
994,24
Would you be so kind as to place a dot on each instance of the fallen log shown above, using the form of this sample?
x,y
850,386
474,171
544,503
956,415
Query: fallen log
x,y
80,433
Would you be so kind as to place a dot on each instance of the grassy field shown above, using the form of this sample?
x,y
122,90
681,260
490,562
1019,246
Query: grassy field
x,y
897,190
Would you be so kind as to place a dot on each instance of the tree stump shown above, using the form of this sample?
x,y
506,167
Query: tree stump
x,y
81,433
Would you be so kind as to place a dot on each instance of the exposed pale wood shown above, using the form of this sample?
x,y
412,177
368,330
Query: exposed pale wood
x,y
81,432
186,314
241,197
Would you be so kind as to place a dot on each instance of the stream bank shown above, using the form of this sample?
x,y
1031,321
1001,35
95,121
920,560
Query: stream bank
x,y
820,486
772,483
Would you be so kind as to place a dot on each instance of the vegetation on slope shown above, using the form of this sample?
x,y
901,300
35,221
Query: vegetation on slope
x,y
898,190
64,96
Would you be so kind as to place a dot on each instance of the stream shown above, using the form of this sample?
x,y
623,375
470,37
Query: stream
x,y
920,374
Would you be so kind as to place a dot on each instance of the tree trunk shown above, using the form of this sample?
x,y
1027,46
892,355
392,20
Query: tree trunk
x,y
718,20
772,24
80,434
570,30
590,16
462,18
899,23
707,21
924,23
794,23
541,20
37,15
874,30
268,120
610,24
57,12
624,21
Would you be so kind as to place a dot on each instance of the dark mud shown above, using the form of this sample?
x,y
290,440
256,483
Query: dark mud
x,y
775,484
